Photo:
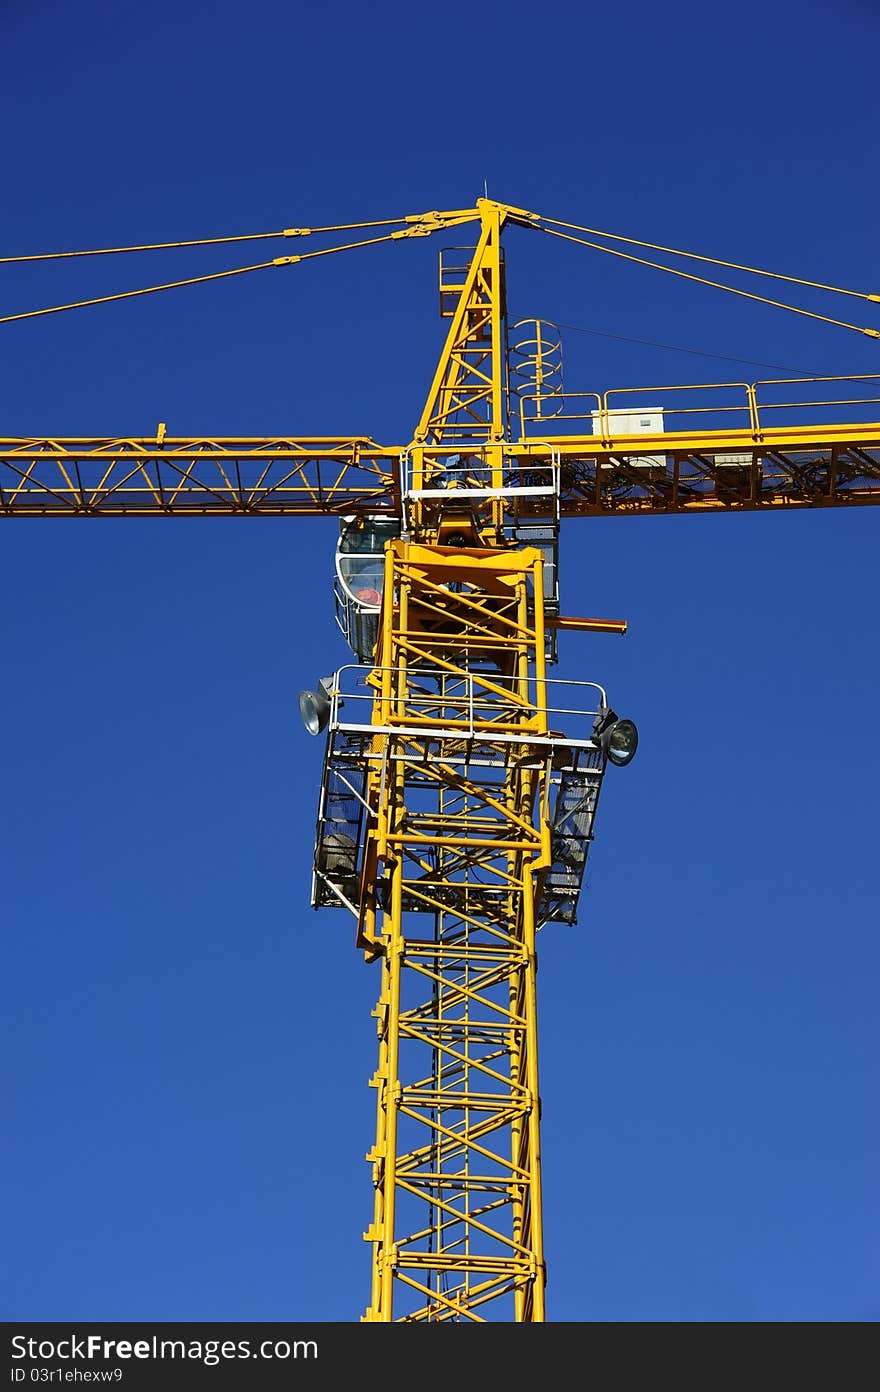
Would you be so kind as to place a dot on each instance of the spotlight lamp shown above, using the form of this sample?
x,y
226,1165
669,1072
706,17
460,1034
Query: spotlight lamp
x,y
618,739
314,706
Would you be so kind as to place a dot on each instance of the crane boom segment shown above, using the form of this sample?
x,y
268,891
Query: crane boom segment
x,y
166,476
698,471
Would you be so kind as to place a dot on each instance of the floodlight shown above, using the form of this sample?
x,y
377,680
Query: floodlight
x,y
314,706
618,739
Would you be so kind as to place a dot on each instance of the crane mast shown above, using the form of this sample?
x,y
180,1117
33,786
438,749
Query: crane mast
x,y
460,779
458,834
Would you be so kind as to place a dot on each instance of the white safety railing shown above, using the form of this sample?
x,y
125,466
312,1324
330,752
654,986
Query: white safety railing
x,y
437,472
484,705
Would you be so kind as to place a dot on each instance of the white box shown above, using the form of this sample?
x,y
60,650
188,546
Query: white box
x,y
626,421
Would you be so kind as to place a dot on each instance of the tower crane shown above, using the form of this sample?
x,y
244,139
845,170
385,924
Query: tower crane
x,y
460,779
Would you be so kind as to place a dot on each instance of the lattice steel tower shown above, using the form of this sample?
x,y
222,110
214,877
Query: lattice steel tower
x,y
460,781
455,817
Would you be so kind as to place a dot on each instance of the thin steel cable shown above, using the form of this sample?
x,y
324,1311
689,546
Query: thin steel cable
x,y
198,242
713,260
714,284
192,280
678,348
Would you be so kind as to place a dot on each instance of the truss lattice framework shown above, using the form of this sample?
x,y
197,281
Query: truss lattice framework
x,y
188,477
823,466
459,835
468,396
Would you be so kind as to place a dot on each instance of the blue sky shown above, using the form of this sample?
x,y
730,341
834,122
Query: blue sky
x,y
188,1045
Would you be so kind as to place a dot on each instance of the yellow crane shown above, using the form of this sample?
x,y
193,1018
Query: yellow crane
x,y
460,779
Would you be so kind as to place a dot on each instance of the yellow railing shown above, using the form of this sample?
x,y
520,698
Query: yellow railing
x,y
718,406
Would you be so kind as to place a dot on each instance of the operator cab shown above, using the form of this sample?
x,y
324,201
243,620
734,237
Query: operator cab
x,y
360,570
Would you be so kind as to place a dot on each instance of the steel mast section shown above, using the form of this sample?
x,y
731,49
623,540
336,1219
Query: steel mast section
x,y
459,834
460,784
